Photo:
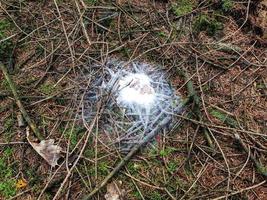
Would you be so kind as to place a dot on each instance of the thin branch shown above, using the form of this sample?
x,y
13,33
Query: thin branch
x,y
19,104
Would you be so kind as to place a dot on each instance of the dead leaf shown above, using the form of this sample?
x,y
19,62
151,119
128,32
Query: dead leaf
x,y
113,192
46,149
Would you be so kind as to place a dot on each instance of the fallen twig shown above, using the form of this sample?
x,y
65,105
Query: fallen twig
x,y
241,190
193,97
260,168
19,104
128,157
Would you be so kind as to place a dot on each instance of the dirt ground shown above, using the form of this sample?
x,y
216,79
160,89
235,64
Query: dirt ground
x,y
219,151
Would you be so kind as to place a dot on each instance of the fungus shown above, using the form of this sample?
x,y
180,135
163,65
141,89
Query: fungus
x,y
138,97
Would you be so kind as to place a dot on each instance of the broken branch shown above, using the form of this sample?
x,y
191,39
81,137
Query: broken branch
x,y
18,102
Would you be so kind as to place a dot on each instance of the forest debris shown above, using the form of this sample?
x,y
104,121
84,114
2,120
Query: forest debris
x,y
126,159
259,20
18,102
46,149
113,192
262,17
260,167
20,120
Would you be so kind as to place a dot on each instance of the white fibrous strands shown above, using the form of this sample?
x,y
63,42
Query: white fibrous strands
x,y
136,89
137,99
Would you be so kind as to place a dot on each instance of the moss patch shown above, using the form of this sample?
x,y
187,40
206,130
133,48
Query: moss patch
x,y
227,5
224,118
6,45
47,88
207,23
182,7
7,184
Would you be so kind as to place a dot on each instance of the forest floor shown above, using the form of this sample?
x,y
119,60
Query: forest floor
x,y
219,151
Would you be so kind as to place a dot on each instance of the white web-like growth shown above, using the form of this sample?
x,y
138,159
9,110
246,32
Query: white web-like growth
x,y
139,98
136,89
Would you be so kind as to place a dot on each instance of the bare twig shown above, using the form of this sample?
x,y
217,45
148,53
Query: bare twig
x,y
127,158
242,190
88,133
260,168
195,99
19,104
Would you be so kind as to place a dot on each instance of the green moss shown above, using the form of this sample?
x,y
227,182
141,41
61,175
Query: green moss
x,y
152,152
182,7
5,170
8,188
206,88
90,2
47,88
29,80
162,34
224,118
260,85
8,123
89,153
208,24
155,195
61,101
103,168
72,134
47,196
60,1
8,152
9,127
172,166
137,195
5,85
4,25
133,167
5,46
7,184
125,51
227,5
261,169
166,152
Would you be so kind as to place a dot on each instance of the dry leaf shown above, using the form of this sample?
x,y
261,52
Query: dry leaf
x,y
113,192
46,149
21,183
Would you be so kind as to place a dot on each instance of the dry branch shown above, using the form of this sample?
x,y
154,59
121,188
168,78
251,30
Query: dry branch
x,y
122,163
260,168
18,102
193,97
